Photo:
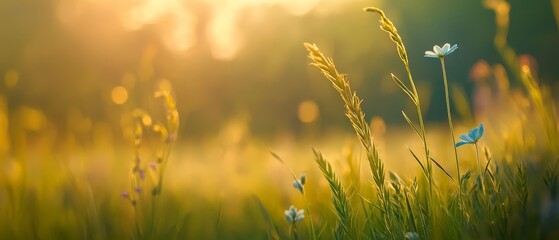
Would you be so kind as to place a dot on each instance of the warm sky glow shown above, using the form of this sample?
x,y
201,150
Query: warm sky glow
x,y
179,21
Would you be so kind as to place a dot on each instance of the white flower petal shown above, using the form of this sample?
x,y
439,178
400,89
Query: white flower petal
x,y
289,218
437,49
445,48
454,47
430,54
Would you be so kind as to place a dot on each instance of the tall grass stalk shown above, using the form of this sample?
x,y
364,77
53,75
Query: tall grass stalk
x,y
352,104
146,215
387,26
168,136
342,206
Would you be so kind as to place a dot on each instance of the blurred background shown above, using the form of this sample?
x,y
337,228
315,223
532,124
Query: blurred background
x,y
75,73
82,64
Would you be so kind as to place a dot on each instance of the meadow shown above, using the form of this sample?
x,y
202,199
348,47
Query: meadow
x,y
488,170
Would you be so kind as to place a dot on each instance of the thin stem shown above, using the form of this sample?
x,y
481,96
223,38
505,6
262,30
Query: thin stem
x,y
294,229
154,216
158,188
139,231
481,171
422,127
447,98
430,205
313,233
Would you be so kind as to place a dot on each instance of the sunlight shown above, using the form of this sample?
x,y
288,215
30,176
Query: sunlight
x,y
119,95
180,25
308,111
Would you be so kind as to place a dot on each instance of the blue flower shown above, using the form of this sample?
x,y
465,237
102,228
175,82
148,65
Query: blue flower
x,y
292,215
439,52
299,183
472,137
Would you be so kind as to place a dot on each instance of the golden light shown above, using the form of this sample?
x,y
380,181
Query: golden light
x,y
378,126
128,80
308,111
146,120
224,36
181,24
119,95
11,78
32,119
525,68
165,85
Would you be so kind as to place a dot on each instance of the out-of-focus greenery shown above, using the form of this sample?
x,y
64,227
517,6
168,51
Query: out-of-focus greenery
x,y
77,79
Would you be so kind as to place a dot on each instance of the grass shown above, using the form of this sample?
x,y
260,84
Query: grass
x,y
505,187
477,207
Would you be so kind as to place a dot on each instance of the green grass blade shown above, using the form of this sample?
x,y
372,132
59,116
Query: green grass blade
x,y
417,160
441,167
413,126
404,88
341,203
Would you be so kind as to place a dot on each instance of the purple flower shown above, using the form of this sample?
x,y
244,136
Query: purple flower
x,y
125,195
142,174
153,166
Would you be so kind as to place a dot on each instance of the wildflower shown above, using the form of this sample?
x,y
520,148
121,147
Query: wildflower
x,y
412,236
142,174
439,52
472,137
125,195
299,183
292,215
153,166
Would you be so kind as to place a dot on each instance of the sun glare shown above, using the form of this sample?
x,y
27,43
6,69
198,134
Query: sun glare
x,y
180,25
119,95
308,111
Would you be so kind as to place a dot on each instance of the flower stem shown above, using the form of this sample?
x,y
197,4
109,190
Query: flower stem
x,y
447,98
313,233
481,171
294,229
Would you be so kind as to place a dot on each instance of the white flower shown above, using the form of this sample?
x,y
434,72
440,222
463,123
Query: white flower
x,y
439,52
300,182
292,215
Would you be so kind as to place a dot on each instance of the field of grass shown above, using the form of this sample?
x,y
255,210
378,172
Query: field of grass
x,y
490,171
